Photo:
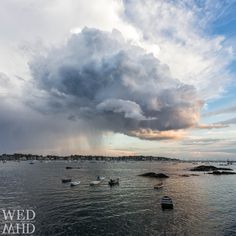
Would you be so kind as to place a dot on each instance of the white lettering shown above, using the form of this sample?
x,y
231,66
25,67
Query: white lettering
x,y
20,227
28,214
20,215
32,228
8,229
9,214
24,219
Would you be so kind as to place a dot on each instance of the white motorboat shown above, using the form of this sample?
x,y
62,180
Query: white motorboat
x,y
100,178
96,182
74,183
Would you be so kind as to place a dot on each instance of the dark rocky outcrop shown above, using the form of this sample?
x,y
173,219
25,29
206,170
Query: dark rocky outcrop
x,y
184,175
188,175
208,168
154,175
216,172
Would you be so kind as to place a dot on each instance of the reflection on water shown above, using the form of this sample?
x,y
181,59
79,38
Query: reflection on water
x,y
203,205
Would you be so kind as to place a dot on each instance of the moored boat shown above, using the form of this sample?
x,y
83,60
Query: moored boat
x,y
96,182
68,167
113,182
74,183
71,167
100,178
166,203
68,180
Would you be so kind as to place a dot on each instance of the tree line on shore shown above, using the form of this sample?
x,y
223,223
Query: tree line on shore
x,y
20,156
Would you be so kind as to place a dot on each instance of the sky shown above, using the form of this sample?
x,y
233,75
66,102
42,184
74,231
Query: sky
x,y
118,77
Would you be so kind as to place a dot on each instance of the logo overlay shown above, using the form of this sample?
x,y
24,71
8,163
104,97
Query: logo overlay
x,y
17,221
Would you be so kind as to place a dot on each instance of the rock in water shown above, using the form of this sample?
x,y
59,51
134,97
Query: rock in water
x,y
70,167
208,168
154,175
216,172
188,175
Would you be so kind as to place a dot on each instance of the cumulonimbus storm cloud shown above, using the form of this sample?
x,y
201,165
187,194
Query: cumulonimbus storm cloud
x,y
103,80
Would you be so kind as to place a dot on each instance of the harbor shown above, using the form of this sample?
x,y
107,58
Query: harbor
x,y
132,207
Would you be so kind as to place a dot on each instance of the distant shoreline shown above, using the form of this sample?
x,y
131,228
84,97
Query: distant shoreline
x,y
25,157
34,157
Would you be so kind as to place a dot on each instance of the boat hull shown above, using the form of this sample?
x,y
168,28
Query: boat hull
x,y
94,183
167,206
66,180
166,203
72,184
113,182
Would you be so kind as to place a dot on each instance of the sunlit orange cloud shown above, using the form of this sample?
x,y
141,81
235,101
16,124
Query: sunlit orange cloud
x,y
211,126
158,135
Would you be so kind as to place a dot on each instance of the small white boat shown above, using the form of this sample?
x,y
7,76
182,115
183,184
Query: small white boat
x,y
100,178
96,182
74,183
166,203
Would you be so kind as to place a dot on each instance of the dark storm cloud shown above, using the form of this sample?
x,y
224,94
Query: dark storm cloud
x,y
100,78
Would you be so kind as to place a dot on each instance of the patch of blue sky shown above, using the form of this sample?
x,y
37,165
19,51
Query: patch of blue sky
x,y
225,20
219,118
223,23
228,97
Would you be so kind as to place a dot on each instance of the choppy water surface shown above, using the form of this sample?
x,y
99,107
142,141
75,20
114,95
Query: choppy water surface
x,y
203,205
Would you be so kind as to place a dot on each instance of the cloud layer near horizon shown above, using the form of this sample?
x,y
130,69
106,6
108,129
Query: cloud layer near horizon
x,y
103,80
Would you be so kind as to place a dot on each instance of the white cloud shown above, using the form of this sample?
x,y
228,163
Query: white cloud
x,y
179,28
28,26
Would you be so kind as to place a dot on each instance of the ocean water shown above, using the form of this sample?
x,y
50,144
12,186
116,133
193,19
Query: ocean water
x,y
203,205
